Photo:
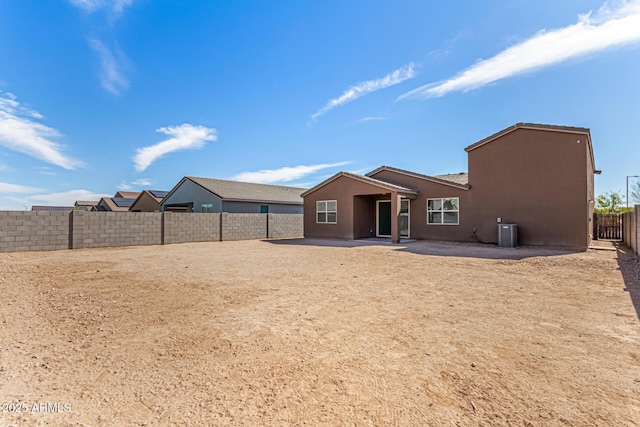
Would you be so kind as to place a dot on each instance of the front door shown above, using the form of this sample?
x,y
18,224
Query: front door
x,y
384,219
383,228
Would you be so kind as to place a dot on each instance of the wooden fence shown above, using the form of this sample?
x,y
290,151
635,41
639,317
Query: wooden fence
x,y
607,226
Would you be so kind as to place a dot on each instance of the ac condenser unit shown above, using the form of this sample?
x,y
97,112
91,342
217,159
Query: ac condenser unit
x,y
507,235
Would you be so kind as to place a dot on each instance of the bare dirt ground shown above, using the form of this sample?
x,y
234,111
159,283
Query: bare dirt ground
x,y
320,333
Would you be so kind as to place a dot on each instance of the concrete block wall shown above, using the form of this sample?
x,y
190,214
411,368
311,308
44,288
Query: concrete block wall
x,y
33,231
631,231
192,227
243,226
285,225
104,229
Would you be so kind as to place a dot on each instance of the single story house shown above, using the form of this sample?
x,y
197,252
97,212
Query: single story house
x,y
41,208
128,194
539,177
114,204
148,201
85,205
194,194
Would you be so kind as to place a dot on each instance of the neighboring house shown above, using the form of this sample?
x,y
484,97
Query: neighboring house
x,y
193,194
114,204
128,194
83,205
539,177
148,201
52,208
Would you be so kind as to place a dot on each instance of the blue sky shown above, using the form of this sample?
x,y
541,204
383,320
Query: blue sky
x,y
98,96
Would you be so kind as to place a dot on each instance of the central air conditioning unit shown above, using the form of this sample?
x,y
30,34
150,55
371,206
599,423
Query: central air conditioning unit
x,y
507,235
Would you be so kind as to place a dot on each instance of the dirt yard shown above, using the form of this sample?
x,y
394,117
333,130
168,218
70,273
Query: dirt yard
x,y
319,333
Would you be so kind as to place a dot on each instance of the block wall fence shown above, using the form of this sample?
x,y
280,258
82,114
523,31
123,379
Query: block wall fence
x,y
45,231
631,229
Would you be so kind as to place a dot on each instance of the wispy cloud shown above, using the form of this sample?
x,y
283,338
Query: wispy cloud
x,y
372,119
66,198
45,170
123,186
114,6
112,76
609,28
361,89
142,182
284,174
18,189
20,131
183,137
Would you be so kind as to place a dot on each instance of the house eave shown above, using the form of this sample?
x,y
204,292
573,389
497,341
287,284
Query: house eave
x,y
419,176
365,179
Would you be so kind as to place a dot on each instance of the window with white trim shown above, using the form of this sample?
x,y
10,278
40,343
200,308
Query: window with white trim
x,y
327,211
443,211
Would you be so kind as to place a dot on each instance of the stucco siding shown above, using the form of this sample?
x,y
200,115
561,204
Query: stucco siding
x,y
419,229
342,189
254,207
190,192
535,179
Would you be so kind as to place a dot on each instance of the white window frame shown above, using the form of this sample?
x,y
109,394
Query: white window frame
x,y
325,210
442,211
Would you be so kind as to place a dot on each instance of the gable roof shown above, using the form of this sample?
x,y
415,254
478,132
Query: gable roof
x,y
459,180
237,191
86,203
538,126
363,178
153,194
115,204
156,195
535,126
127,194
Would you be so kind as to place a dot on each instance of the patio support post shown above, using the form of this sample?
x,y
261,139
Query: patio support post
x,y
395,217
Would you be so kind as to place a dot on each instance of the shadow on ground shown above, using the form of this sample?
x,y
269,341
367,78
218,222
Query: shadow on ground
x,y
629,265
435,248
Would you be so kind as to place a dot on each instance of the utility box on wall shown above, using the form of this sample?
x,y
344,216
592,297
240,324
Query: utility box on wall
x,y
507,235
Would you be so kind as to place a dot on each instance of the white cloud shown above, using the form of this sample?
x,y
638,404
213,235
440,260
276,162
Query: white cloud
x,y
111,74
372,119
19,189
358,90
66,198
184,137
142,182
610,27
284,174
45,170
123,186
19,131
115,6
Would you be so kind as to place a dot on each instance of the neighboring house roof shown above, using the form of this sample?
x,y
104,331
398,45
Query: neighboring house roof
x,y
156,195
128,194
366,179
52,208
116,204
459,180
246,191
86,203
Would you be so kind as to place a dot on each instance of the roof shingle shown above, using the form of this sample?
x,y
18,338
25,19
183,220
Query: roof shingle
x,y
246,191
